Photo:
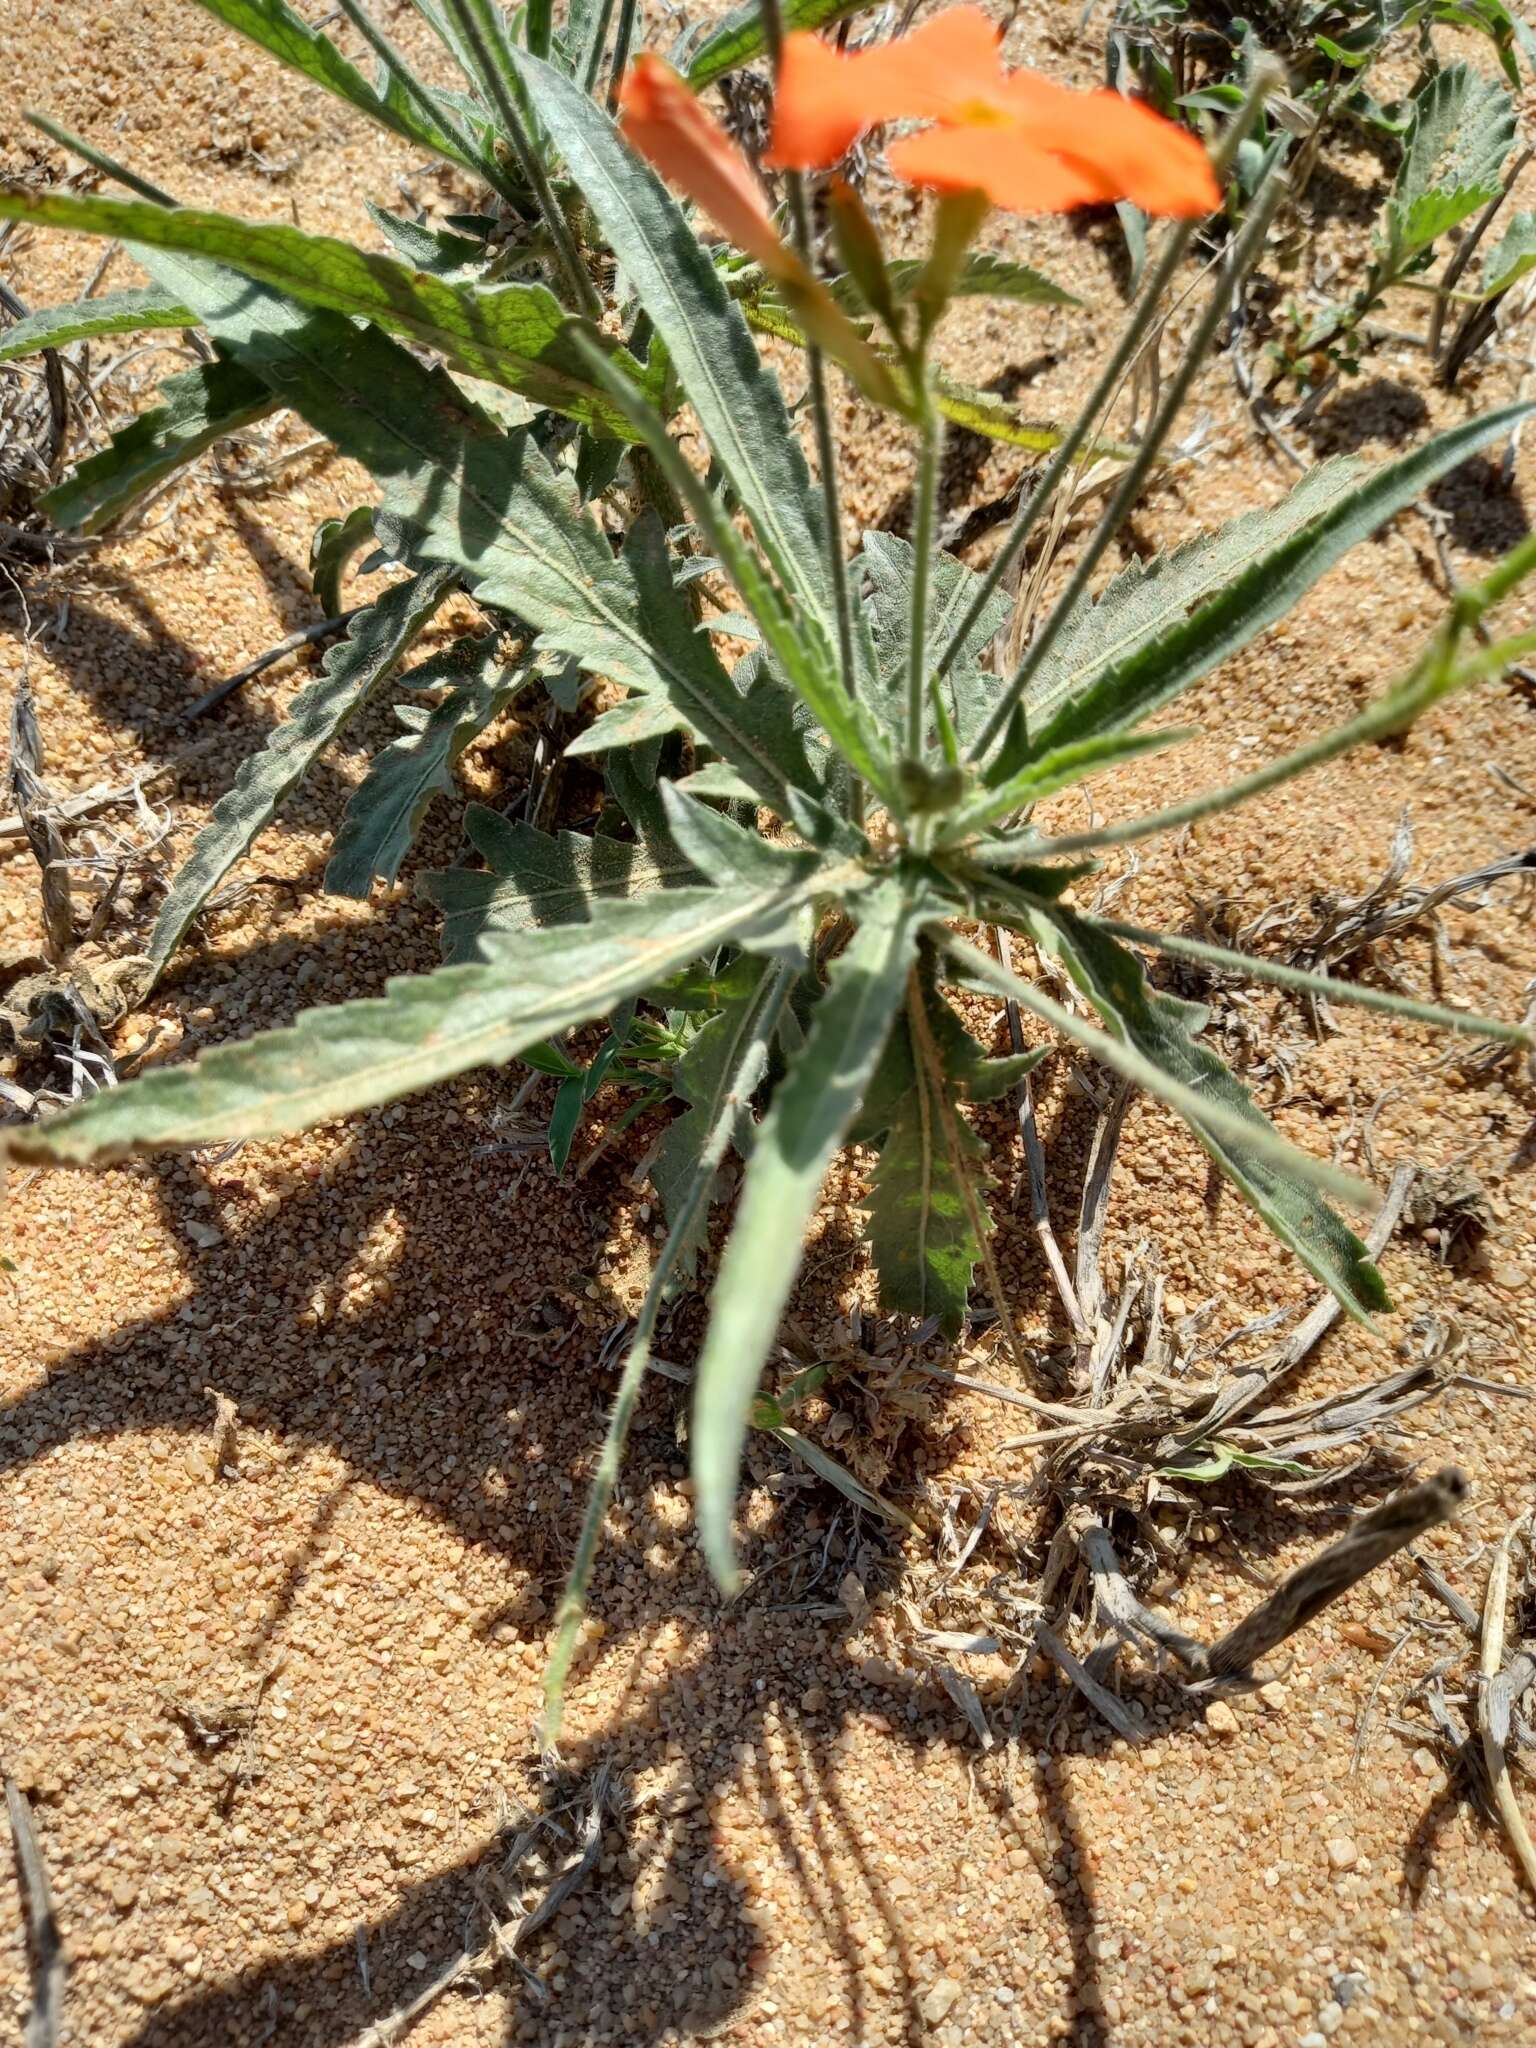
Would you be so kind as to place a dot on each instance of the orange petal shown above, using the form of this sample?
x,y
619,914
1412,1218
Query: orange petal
x,y
947,70
660,118
1003,163
1162,167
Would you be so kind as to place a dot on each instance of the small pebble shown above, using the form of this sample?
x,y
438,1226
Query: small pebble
x,y
938,1999
1342,1853
1220,1719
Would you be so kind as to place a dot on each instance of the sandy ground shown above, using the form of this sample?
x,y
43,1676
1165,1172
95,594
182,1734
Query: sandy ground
x,y
271,1683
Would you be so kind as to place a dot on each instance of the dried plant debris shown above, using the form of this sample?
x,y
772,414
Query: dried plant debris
x,y
1479,1691
549,1856
49,1967
1351,935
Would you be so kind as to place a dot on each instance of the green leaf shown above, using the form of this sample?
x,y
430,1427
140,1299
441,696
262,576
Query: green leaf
x,y
539,878
984,276
422,1030
689,690
736,397
515,335
1463,125
708,1079
1128,661
386,809
491,504
887,562
741,38
812,1107
1161,1028
112,313
1058,768
336,541
1504,266
1209,1111
435,250
274,27
377,641
198,407
922,1232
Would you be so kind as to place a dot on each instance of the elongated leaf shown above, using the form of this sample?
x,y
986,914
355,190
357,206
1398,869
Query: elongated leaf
x,y
274,27
812,1107
708,1079
387,808
736,398
1242,1126
516,335
1161,1027
435,250
688,689
423,1029
740,38
378,640
1144,662
536,878
198,407
112,313
1059,768
921,1231
1463,125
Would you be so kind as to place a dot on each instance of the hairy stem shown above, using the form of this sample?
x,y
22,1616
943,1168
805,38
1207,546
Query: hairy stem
x,y
924,519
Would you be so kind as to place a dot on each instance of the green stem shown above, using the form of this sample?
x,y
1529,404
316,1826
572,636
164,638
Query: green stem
x,y
755,1031
924,520
436,116
479,23
599,45
1132,336
1244,254
621,52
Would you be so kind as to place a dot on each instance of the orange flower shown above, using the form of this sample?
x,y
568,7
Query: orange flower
x,y
660,117
1030,145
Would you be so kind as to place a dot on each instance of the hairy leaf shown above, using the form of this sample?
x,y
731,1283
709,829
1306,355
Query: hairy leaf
x,y
388,805
741,38
423,1029
921,1231
516,335
688,688
1162,1027
438,251
982,275
887,562
812,1107
736,397
377,641
84,319
540,878
1463,125
1504,266
1139,662
1242,1126
1055,769
198,407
